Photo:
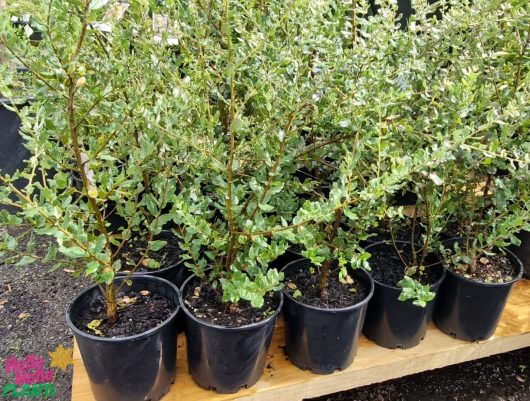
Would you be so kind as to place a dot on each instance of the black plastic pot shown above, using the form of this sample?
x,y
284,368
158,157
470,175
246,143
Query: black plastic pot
x,y
405,10
523,251
226,359
12,149
174,270
290,255
175,273
318,339
135,368
469,310
392,323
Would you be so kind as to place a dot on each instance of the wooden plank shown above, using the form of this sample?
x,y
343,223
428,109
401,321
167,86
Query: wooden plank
x,y
282,381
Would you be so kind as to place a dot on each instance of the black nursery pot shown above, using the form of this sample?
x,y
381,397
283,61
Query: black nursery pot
x,y
135,368
318,339
405,10
226,359
174,272
469,310
392,323
12,149
290,255
523,251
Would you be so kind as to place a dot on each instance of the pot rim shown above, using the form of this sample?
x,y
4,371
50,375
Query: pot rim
x,y
263,322
170,266
513,258
398,289
331,310
136,337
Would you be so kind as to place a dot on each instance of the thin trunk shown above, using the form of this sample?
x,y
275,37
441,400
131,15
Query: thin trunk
x,y
413,239
324,271
232,248
110,299
324,279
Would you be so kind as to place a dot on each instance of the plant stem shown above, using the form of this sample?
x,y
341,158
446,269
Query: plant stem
x,y
324,271
110,294
110,298
395,245
413,237
231,252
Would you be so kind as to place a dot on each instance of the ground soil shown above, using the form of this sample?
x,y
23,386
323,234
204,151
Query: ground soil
x,y
205,303
504,377
339,295
137,313
33,302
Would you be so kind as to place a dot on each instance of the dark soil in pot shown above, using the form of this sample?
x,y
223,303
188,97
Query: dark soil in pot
x,y
221,358
490,269
137,367
134,249
137,313
171,265
387,267
206,304
469,308
402,232
323,338
389,322
339,295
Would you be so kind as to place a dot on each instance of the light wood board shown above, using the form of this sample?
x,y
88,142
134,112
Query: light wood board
x,y
283,381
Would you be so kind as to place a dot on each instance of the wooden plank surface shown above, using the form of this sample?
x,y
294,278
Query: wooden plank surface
x,y
283,381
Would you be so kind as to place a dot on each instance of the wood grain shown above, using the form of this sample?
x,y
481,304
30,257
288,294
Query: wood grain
x,y
282,381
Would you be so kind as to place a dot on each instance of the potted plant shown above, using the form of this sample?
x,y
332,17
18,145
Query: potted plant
x,y
85,111
488,196
406,274
481,270
250,74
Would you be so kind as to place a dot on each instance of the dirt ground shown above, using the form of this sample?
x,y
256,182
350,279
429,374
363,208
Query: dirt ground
x,y
33,303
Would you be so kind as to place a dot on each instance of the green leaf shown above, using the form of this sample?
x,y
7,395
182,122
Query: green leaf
x,y
62,180
51,254
157,245
266,208
25,261
11,243
72,252
236,124
97,4
152,263
92,268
